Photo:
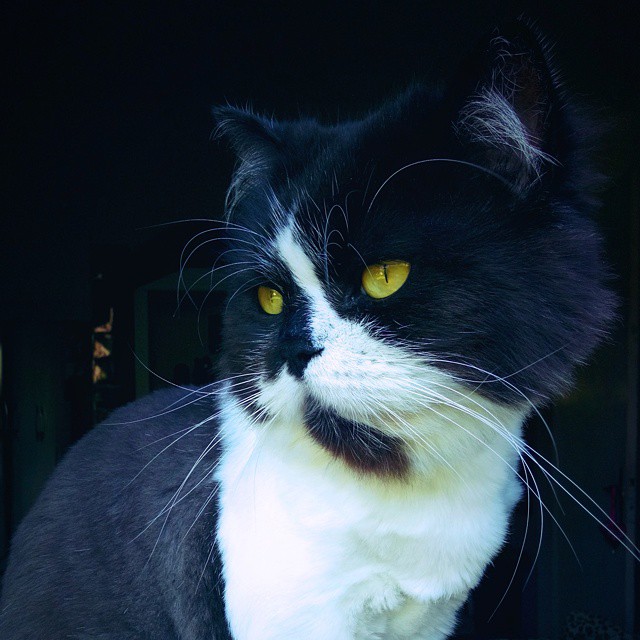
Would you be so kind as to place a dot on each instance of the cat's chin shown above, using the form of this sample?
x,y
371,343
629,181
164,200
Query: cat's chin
x,y
361,446
439,431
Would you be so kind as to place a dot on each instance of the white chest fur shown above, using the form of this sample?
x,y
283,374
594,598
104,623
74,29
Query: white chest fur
x,y
312,551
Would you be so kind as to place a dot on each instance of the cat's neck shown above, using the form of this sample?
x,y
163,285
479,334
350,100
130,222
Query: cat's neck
x,y
309,529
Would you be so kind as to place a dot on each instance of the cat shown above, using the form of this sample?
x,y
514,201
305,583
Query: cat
x,y
404,290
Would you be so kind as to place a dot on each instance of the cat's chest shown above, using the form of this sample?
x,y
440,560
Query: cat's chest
x,y
309,556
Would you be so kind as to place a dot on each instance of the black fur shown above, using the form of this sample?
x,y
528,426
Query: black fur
x,y
363,448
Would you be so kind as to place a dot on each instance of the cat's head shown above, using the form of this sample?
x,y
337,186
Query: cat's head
x,y
435,254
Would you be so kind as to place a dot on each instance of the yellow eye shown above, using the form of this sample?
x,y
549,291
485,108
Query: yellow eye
x,y
384,278
270,300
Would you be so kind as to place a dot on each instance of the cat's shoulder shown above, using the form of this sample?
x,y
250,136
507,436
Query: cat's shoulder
x,y
156,419
107,526
147,443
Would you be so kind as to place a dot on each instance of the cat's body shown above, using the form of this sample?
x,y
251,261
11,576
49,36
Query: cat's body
x,y
309,552
403,291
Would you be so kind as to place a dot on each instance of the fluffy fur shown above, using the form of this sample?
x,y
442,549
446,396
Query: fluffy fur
x,y
352,472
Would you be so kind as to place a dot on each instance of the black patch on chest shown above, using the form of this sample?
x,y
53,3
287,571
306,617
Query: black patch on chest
x,y
361,447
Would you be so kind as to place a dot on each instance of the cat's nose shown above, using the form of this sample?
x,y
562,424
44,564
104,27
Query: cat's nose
x,y
297,353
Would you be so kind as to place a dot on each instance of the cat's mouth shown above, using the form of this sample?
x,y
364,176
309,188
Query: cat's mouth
x,y
361,446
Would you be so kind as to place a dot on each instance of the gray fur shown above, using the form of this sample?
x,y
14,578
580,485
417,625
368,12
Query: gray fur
x,y
162,582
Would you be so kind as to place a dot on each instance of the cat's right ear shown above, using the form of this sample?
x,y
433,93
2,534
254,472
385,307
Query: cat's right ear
x,y
256,144
508,106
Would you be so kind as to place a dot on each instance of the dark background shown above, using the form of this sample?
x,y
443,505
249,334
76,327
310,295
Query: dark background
x,y
108,134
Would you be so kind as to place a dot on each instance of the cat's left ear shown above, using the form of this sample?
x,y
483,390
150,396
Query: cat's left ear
x,y
249,135
507,107
256,144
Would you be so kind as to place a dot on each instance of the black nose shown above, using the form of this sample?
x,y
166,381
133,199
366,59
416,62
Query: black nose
x,y
297,353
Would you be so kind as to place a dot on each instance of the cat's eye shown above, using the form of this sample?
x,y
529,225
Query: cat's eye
x,y
270,300
382,279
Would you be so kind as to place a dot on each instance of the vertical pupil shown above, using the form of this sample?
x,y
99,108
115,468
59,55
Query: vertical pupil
x,y
386,277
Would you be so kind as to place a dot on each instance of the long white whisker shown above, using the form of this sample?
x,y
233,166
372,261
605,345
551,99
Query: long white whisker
x,y
493,174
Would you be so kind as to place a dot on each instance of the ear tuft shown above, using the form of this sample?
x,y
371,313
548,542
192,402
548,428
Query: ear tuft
x,y
511,107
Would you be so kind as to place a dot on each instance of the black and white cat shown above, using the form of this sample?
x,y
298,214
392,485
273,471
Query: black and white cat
x,y
404,290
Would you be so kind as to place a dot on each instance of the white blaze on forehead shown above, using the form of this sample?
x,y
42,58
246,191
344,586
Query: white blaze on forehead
x,y
291,251
299,264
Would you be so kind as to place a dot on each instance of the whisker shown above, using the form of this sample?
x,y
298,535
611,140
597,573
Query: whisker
x,y
539,460
493,174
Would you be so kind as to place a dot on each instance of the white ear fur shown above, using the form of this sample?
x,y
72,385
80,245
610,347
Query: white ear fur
x,y
510,111
489,118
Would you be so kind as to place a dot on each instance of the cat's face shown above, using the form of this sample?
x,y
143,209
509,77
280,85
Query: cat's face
x,y
430,258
